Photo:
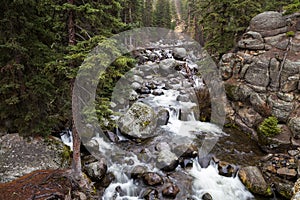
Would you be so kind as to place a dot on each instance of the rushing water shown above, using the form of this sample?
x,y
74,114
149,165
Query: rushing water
x,y
207,136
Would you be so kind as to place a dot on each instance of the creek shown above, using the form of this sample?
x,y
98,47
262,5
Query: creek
x,y
169,86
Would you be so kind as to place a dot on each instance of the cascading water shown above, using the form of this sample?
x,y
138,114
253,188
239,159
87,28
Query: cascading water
x,y
182,128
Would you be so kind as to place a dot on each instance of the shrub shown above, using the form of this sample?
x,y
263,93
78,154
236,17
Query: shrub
x,y
269,127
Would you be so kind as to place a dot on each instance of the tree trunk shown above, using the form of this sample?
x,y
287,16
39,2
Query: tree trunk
x,y
76,163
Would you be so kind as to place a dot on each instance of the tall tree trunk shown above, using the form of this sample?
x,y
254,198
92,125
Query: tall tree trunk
x,y
76,163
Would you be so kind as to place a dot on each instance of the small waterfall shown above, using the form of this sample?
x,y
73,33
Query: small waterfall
x,y
207,180
66,137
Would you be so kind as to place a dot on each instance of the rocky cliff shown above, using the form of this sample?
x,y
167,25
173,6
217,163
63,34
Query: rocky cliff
x,y
262,76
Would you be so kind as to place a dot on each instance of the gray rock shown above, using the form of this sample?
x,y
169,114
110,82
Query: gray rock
x,y
163,117
249,116
282,45
274,70
288,97
96,170
274,32
280,109
269,20
257,74
167,66
179,53
291,84
133,95
251,44
136,85
139,122
258,101
167,160
273,40
136,78
294,125
290,68
253,179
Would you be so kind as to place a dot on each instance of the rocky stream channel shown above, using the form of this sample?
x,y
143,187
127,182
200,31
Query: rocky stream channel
x,y
162,150
182,134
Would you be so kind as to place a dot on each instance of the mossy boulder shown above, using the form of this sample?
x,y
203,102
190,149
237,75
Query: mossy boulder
x,y
253,179
139,121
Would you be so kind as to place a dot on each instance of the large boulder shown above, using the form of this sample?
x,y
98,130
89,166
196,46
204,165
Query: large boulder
x,y
20,156
253,179
179,53
167,65
268,23
139,121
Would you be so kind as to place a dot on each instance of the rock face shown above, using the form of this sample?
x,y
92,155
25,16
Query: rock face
x,y
139,122
262,77
254,181
20,156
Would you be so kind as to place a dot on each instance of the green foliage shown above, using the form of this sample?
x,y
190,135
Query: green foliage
x,y
290,34
292,7
35,74
269,127
163,14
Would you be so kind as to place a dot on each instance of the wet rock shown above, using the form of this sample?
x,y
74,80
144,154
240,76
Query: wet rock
x,y
183,98
96,170
205,161
133,95
287,173
107,180
253,179
186,150
167,66
226,169
152,179
150,194
139,121
136,85
163,117
179,53
158,92
151,85
167,160
144,90
111,136
138,171
137,79
171,191
207,196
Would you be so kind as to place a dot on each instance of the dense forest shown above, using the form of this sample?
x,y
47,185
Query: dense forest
x,y
42,44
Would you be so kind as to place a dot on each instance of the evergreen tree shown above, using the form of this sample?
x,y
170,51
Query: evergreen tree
x,y
162,14
147,13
